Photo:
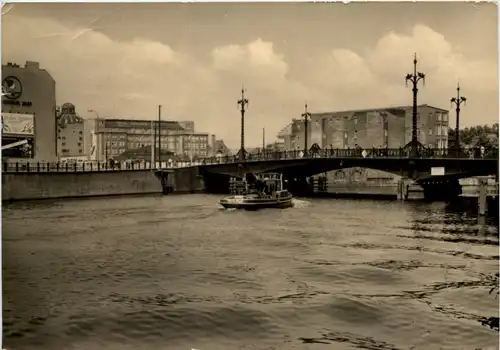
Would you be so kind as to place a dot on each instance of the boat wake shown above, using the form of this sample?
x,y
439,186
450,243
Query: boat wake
x,y
297,203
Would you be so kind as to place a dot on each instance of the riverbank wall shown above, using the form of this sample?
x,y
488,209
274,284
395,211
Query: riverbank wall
x,y
34,186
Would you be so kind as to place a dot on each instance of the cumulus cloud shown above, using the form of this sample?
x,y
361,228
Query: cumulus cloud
x,y
130,78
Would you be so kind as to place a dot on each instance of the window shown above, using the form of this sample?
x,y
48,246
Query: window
x,y
445,117
355,121
64,143
80,151
79,144
438,116
80,132
430,131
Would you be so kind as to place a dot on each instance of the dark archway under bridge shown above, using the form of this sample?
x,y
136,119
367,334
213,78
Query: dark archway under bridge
x,y
415,168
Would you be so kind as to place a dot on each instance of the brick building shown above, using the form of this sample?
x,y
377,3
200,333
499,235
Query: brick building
x,y
385,127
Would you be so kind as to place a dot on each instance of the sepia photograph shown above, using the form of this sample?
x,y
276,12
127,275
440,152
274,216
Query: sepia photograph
x,y
250,175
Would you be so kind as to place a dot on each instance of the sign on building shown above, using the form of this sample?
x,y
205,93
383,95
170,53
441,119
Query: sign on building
x,y
437,171
16,124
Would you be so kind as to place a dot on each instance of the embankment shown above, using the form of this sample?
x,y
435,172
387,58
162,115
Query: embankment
x,y
32,186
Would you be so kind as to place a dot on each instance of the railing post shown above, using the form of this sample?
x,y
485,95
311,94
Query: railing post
x,y
83,167
91,165
28,167
66,166
57,166
37,167
98,166
74,166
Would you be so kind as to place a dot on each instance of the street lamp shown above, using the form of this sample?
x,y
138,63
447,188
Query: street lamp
x,y
242,102
414,78
307,116
458,102
92,111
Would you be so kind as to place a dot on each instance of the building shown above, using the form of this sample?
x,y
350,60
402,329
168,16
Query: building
x,y
70,131
385,127
221,149
28,113
108,138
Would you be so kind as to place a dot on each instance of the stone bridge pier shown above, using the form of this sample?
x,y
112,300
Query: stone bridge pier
x,y
446,190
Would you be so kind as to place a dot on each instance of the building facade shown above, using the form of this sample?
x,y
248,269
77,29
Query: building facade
x,y
28,113
108,138
70,136
386,127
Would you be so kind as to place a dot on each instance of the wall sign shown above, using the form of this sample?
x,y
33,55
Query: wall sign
x,y
17,124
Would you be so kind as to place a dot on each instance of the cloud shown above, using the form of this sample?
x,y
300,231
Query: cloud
x,y
130,78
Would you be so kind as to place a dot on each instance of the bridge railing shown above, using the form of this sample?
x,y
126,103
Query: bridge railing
x,y
355,153
92,166
64,167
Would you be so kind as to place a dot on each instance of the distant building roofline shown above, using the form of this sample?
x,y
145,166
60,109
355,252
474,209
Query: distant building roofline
x,y
135,120
376,109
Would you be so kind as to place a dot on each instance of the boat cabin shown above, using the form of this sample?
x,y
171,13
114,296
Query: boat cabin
x,y
268,183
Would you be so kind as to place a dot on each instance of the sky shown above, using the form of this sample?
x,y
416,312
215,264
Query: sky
x,y
123,60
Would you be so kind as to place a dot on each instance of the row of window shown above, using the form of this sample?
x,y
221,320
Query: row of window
x,y
66,151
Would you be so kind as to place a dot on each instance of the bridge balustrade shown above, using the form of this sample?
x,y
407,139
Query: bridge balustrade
x,y
326,153
355,153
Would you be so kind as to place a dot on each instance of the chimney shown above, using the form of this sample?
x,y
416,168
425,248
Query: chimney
x,y
32,65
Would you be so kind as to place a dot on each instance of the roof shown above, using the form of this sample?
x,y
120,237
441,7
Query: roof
x,y
378,109
122,123
67,115
70,119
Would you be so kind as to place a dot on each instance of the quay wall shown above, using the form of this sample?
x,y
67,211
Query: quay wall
x,y
31,186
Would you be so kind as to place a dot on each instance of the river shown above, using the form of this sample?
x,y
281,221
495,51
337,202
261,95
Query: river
x,y
178,272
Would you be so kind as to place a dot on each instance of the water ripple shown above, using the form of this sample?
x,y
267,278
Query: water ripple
x,y
176,272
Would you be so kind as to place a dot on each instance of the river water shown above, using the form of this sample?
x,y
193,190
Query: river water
x,y
178,272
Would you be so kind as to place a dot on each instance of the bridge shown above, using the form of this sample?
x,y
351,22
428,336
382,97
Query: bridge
x,y
397,161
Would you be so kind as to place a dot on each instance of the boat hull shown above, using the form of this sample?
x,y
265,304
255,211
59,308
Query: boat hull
x,y
256,204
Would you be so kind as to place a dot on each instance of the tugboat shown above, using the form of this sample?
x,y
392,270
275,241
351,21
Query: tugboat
x,y
258,192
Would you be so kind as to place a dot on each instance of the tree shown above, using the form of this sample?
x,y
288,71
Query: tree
x,y
476,136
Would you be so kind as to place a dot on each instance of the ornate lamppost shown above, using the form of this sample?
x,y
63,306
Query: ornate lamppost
x,y
243,102
307,116
458,102
414,78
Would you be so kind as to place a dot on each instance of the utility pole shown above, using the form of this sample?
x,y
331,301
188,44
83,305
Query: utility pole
x,y
263,139
242,102
306,115
153,144
458,102
159,135
414,78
